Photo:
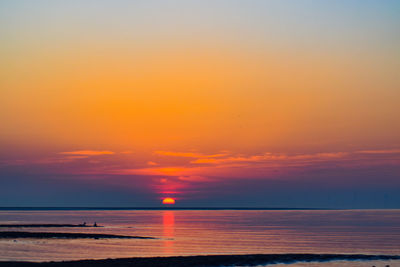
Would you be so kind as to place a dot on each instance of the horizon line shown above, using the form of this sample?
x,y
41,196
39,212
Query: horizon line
x,y
179,208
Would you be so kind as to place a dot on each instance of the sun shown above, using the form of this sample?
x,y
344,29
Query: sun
x,y
168,201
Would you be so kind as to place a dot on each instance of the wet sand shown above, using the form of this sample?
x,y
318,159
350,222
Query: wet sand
x,y
45,225
17,235
216,260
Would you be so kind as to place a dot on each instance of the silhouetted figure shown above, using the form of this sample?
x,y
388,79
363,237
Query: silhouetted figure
x,y
84,224
95,224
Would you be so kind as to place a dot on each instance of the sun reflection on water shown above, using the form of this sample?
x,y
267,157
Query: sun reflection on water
x,y
168,231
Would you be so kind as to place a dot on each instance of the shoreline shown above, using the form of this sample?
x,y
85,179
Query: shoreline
x,y
53,225
44,235
210,260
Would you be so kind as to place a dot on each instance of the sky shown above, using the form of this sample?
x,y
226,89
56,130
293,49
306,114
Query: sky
x,y
215,103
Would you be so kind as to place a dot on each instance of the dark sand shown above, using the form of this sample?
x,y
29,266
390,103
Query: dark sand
x,y
217,260
16,235
44,225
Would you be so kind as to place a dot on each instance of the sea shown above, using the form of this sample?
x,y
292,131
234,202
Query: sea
x,y
184,232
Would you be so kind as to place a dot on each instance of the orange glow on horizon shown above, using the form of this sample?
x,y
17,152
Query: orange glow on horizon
x,y
168,201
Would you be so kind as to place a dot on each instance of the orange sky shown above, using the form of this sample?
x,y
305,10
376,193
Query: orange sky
x,y
237,95
199,97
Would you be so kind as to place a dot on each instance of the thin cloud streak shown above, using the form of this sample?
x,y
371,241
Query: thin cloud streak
x,y
188,154
387,151
87,152
268,157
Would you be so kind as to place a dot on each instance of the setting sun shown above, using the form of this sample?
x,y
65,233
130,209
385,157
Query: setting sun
x,y
168,201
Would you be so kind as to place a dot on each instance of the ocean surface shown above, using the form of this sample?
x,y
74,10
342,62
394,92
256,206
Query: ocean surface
x,y
208,232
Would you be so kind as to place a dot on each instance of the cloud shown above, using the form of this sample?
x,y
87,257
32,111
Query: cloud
x,y
194,178
87,152
200,166
189,154
76,157
266,165
162,171
382,151
269,157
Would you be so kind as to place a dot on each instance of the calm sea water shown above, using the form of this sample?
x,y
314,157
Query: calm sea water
x,y
206,232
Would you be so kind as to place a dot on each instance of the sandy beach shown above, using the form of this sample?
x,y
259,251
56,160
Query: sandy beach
x,y
214,260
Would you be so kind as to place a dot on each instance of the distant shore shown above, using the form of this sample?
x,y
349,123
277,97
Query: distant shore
x,y
214,260
46,225
18,234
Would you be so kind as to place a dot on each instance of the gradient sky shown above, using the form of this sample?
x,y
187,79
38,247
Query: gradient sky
x,y
278,103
